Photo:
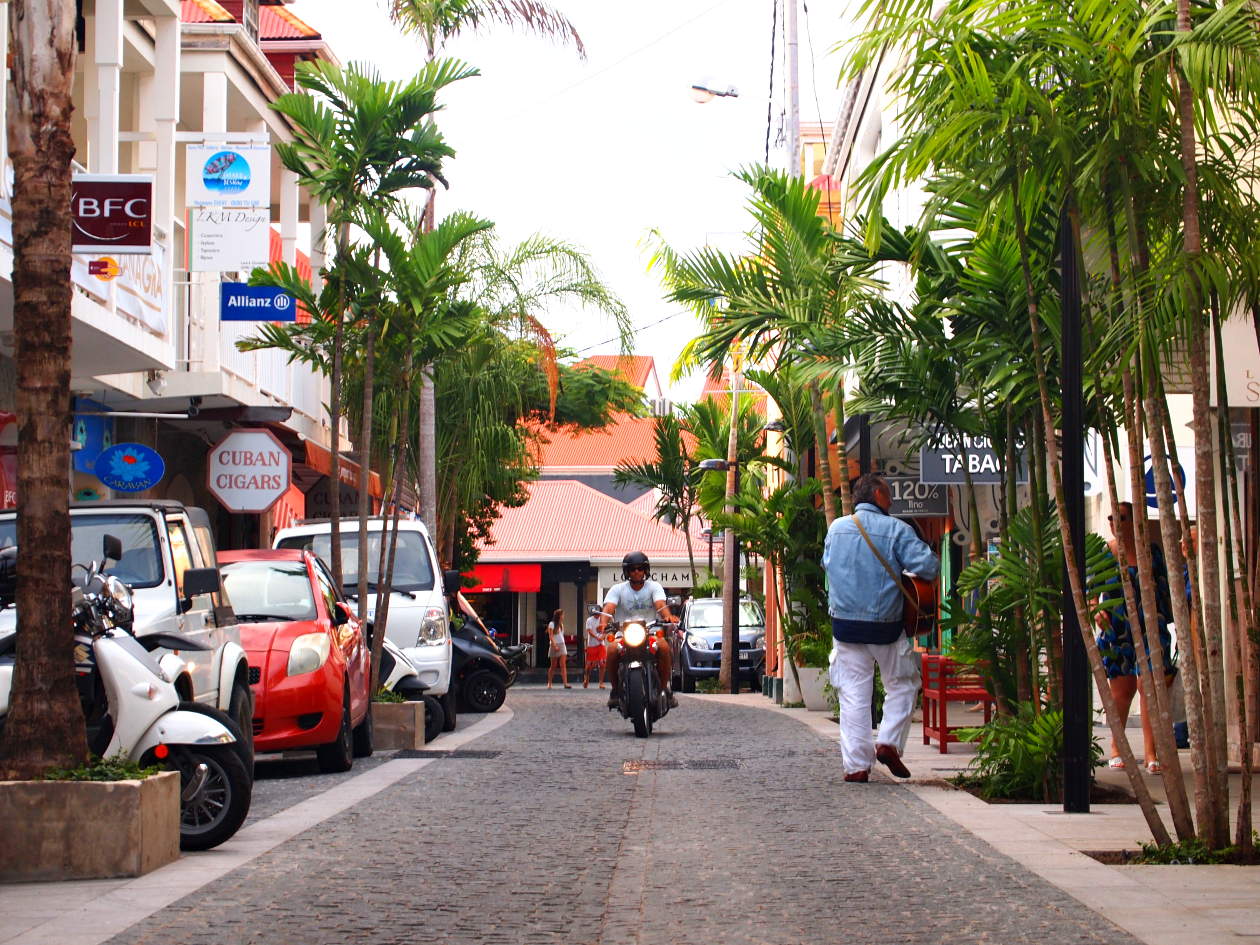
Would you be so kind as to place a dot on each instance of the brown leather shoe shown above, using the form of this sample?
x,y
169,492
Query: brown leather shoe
x,y
888,756
861,777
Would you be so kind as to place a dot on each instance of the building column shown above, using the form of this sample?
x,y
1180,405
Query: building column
x,y
319,243
288,216
107,56
204,303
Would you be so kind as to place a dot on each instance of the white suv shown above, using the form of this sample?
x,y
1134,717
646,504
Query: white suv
x,y
417,623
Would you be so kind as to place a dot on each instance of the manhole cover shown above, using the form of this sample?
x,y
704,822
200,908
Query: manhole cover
x,y
634,767
446,753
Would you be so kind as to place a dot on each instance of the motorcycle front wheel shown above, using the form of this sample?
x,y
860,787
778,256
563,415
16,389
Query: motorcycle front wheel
x,y
214,798
637,700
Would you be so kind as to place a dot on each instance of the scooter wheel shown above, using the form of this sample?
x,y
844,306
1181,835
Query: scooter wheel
x,y
483,692
214,801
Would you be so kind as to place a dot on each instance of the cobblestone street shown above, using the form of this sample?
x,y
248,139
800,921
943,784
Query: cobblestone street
x,y
729,825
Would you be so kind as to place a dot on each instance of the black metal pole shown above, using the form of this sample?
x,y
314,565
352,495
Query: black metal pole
x,y
1077,769
730,635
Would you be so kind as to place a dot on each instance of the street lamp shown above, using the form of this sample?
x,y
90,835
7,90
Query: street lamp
x,y
704,91
730,571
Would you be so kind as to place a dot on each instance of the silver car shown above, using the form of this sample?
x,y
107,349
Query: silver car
x,y
697,643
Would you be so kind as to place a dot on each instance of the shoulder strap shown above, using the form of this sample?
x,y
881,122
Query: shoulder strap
x,y
891,573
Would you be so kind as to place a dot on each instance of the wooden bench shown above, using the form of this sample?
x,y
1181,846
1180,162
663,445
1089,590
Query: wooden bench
x,y
946,681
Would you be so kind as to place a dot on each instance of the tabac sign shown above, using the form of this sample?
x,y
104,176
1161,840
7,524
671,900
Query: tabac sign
x,y
113,213
249,470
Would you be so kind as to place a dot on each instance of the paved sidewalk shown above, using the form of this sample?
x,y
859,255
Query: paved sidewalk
x,y
1159,905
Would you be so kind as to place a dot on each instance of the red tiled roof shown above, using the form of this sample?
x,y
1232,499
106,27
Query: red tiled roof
x,y
628,439
275,253
565,520
276,22
203,11
634,368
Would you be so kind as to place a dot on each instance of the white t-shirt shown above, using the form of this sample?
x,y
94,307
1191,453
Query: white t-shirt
x,y
556,638
593,636
631,603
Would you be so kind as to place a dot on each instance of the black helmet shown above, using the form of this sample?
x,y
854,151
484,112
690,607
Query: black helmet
x,y
635,559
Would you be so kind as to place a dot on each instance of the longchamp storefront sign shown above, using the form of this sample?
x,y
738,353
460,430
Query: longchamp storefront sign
x,y
249,470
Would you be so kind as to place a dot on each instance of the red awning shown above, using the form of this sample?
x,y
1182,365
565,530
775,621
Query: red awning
x,y
320,460
518,578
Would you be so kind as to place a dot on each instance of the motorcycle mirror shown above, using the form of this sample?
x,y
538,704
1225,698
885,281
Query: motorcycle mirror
x,y
111,548
451,581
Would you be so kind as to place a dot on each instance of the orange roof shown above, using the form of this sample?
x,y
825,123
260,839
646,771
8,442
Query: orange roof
x,y
203,11
276,22
565,520
627,439
633,368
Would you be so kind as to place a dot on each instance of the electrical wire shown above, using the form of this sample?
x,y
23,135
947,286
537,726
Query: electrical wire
x,y
813,74
600,344
774,32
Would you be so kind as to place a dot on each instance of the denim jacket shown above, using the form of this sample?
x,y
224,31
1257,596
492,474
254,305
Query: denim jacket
x,y
858,586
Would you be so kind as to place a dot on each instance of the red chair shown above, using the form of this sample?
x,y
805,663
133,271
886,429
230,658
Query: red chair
x,y
946,681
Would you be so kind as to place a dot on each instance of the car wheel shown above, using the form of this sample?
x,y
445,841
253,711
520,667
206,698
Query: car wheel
x,y
338,755
434,718
215,791
688,681
483,692
363,736
448,710
241,709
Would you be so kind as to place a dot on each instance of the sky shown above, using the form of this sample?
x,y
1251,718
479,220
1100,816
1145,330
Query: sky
x,y
600,152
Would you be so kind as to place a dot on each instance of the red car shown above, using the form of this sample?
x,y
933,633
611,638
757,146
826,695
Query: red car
x,y
309,661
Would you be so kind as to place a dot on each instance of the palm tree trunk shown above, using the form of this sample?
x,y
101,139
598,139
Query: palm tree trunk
x,y
426,451
842,454
823,453
334,412
365,465
44,727
1217,833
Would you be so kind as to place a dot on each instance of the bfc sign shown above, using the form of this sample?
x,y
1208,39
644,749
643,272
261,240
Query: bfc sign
x,y
112,213
249,470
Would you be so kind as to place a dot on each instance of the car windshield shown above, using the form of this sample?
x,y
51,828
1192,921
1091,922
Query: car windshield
x,y
411,562
707,615
269,590
141,562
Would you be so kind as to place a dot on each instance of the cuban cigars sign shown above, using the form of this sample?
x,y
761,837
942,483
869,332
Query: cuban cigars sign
x,y
249,470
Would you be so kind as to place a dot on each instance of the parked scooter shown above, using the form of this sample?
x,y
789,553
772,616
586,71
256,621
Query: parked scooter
x,y
400,676
642,699
133,709
479,673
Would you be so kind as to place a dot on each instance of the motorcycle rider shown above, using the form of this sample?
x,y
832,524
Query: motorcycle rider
x,y
632,598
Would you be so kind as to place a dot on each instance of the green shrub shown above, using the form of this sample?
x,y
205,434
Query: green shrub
x,y
387,695
1019,756
117,768
709,686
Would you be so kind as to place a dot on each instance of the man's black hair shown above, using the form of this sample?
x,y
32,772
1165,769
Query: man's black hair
x,y
866,486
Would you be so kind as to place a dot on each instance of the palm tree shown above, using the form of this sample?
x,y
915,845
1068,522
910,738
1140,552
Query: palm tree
x,y
359,143
436,22
44,727
671,474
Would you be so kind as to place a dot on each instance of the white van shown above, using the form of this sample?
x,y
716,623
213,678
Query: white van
x,y
418,622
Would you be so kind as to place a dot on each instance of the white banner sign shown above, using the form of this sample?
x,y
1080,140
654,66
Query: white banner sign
x,y
228,239
1242,363
667,576
233,175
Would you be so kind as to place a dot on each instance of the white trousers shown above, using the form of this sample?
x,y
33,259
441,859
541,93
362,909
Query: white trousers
x,y
853,676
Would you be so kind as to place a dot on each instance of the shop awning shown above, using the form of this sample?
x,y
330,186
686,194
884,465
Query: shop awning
x,y
320,460
518,578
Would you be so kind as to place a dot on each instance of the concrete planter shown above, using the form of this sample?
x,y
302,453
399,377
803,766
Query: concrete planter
x,y
57,830
813,679
398,724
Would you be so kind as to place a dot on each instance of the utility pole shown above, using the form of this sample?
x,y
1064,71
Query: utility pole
x,y
793,89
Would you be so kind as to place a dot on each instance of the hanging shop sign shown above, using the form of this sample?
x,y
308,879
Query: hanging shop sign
x,y
249,470
912,497
228,239
239,302
130,467
113,213
1242,363
235,175
950,463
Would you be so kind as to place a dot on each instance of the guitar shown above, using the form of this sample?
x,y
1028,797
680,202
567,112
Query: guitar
x,y
918,610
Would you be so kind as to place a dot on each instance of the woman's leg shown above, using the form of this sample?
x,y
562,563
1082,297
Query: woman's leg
x,y
564,669
552,659
1122,690
1149,750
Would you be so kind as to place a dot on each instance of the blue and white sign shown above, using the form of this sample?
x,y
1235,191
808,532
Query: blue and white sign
x,y
1183,467
236,175
239,302
130,467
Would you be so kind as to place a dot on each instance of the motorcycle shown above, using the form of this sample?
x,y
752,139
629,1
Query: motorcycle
x,y
133,709
479,673
515,655
642,700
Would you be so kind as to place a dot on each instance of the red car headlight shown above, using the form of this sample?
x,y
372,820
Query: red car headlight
x,y
308,653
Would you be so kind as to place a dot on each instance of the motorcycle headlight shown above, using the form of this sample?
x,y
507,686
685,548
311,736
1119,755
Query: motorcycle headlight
x,y
120,593
697,643
759,642
308,653
433,628
634,634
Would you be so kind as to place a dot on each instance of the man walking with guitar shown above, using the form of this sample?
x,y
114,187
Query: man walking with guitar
x,y
865,556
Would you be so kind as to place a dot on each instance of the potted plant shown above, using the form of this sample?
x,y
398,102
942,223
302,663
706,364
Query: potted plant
x,y
396,722
810,654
